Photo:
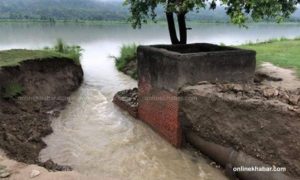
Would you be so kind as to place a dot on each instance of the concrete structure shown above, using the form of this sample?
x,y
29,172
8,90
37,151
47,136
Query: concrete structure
x,y
163,69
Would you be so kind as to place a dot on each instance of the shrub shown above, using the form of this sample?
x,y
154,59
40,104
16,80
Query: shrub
x,y
127,61
128,54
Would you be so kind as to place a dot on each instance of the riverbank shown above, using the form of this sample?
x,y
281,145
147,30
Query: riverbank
x,y
35,86
84,22
117,22
127,61
281,52
257,119
20,171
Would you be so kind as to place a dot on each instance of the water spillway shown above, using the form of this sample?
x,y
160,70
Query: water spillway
x,y
99,140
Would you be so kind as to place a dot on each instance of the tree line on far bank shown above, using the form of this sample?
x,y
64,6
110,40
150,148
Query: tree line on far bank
x,y
90,10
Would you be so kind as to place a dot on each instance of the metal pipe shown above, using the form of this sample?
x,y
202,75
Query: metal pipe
x,y
229,158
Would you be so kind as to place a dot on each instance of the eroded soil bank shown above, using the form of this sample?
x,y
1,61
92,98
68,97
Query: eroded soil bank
x,y
26,119
13,170
260,120
289,79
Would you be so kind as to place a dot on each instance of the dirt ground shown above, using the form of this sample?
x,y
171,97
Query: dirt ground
x,y
14,170
26,119
261,119
289,79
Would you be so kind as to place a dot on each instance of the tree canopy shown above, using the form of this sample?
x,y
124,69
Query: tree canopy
x,y
238,10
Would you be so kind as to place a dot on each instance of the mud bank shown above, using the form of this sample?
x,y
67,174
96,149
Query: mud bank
x,y
14,170
26,119
260,120
128,100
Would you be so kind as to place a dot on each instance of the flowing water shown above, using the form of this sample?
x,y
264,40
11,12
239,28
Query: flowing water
x,y
93,135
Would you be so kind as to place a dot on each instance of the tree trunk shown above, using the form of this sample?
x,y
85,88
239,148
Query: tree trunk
x,y
182,28
172,29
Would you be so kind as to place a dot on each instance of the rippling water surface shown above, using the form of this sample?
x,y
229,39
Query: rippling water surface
x,y
96,137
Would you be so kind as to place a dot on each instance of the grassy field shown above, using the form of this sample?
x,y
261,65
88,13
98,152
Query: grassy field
x,y
60,50
280,52
16,56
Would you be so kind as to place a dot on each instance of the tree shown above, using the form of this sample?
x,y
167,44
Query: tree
x,y
238,11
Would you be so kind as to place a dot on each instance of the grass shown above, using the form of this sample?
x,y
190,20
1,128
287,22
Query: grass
x,y
12,90
281,52
15,56
127,60
128,53
74,52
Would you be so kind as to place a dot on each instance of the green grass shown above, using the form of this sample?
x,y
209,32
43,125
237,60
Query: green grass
x,y
127,60
15,56
128,53
280,52
74,52
12,90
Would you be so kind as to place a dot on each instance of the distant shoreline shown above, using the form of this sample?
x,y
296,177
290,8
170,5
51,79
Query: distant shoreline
x,y
100,22
117,22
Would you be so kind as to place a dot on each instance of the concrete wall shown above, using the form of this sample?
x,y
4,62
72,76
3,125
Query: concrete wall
x,y
171,67
163,69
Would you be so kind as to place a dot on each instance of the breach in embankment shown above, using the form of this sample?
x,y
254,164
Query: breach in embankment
x,y
35,86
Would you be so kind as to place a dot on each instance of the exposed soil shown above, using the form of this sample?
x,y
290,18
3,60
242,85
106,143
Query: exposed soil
x,y
130,69
26,119
260,92
260,120
289,79
14,170
128,100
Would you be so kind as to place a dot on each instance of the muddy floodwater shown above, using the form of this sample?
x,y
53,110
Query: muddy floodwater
x,y
94,136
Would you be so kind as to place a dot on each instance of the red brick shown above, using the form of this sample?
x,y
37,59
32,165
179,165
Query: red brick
x,y
159,109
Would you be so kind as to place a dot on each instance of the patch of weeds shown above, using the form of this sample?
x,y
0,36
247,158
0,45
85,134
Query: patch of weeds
x,y
74,52
12,90
127,55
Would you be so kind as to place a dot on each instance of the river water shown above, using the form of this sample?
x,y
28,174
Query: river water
x,y
93,135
